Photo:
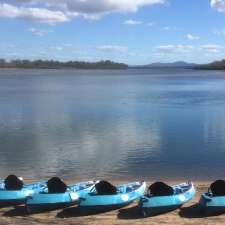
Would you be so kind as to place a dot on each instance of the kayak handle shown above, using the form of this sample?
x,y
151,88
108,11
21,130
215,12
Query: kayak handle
x,y
143,199
29,197
92,189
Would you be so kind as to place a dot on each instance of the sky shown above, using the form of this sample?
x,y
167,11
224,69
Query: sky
x,y
130,31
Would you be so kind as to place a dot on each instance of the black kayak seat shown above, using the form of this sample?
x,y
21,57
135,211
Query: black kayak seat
x,y
56,186
160,189
13,183
105,188
218,188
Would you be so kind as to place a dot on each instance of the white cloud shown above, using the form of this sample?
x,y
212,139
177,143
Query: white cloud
x,y
167,28
170,28
192,37
56,48
150,24
170,49
41,15
112,48
132,22
219,32
219,5
68,45
185,49
39,32
212,48
52,11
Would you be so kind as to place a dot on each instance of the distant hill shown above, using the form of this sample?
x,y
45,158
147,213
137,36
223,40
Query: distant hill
x,y
178,64
217,65
52,64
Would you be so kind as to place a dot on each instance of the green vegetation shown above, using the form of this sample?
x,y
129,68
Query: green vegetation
x,y
217,65
51,64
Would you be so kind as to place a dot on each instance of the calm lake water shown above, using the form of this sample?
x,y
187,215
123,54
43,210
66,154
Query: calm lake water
x,y
112,124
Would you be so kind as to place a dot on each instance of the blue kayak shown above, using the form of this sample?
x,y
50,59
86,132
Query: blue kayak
x,y
124,195
209,203
18,197
152,205
213,201
45,201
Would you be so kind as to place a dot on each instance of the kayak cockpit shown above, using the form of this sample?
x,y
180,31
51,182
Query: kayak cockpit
x,y
182,188
130,187
162,189
106,188
59,187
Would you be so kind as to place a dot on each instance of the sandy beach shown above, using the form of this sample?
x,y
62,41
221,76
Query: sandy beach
x,y
188,214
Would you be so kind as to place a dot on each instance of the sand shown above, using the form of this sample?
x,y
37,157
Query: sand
x,y
188,214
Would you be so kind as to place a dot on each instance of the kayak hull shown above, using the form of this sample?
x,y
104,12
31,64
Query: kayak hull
x,y
12,202
13,198
39,208
210,204
101,208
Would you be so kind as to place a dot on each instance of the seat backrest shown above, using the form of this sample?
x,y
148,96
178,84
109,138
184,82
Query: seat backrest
x,y
56,185
218,188
13,183
105,188
160,189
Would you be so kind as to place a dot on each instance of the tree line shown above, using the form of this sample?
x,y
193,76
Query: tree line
x,y
53,64
217,65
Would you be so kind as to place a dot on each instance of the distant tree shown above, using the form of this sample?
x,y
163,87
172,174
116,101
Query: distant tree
x,y
2,62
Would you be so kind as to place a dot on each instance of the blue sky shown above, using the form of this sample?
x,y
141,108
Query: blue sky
x,y
130,31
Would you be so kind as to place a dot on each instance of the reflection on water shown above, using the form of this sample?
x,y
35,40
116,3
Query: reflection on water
x,y
112,124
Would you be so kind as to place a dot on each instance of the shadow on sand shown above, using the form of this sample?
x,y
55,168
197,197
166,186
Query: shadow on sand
x,y
78,212
195,211
130,213
70,212
17,211
135,213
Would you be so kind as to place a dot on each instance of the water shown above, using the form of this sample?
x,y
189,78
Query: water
x,y
149,124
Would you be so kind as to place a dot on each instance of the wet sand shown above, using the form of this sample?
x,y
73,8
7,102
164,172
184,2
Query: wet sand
x,y
188,214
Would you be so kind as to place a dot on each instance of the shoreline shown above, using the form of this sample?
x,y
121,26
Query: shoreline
x,y
187,214
119,181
